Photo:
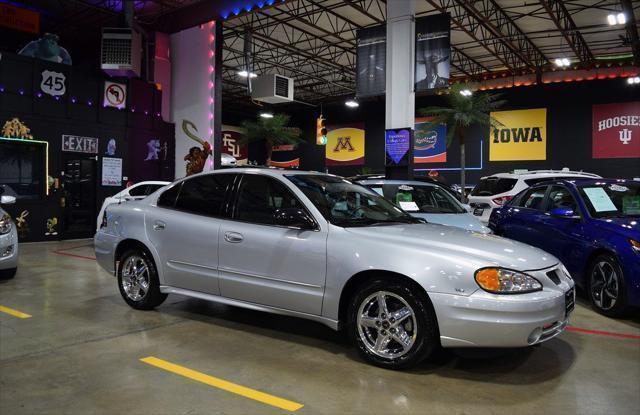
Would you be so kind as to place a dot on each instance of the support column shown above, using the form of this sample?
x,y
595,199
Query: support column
x,y
400,67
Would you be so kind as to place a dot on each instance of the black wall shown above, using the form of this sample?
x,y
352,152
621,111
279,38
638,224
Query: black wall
x,y
569,107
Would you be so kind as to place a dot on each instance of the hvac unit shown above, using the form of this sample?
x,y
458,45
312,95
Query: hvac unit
x,y
272,88
121,52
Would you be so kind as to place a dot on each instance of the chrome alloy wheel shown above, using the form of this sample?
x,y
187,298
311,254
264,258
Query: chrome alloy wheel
x,y
387,325
135,277
604,285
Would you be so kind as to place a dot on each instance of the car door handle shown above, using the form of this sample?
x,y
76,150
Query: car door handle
x,y
159,225
233,237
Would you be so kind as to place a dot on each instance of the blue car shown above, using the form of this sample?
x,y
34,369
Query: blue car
x,y
592,226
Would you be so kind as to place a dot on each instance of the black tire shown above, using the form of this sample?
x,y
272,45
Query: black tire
x,y
7,274
423,326
607,265
152,296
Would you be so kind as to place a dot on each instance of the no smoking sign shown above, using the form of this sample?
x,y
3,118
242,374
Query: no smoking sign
x,y
115,94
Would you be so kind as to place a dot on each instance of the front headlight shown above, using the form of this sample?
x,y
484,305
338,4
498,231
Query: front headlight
x,y
506,281
5,224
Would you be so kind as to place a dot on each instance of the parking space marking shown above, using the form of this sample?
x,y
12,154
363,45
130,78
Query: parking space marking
x,y
256,395
13,312
61,251
603,333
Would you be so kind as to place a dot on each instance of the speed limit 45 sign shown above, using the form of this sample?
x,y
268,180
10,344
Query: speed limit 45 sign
x,y
53,83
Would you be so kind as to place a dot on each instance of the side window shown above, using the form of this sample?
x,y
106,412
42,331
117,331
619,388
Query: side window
x,y
168,198
205,195
142,190
260,196
560,197
533,198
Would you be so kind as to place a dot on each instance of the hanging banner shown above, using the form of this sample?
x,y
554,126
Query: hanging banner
x,y
285,156
345,145
115,95
616,130
433,52
231,146
371,61
523,135
430,144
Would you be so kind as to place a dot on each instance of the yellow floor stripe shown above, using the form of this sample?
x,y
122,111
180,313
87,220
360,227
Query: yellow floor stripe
x,y
13,312
223,384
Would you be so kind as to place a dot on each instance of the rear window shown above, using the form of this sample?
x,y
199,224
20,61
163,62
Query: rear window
x,y
493,186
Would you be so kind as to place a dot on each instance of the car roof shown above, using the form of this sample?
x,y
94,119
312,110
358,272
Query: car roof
x,y
525,174
583,182
267,171
398,182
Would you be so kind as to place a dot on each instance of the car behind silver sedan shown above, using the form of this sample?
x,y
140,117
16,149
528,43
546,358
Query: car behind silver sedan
x,y
319,247
8,241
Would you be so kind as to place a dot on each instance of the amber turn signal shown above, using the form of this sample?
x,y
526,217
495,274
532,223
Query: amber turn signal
x,y
489,279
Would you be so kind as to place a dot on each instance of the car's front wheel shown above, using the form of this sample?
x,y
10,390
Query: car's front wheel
x,y
607,290
391,325
138,280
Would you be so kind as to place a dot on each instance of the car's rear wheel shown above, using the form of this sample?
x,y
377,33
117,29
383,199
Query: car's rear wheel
x,y
607,290
391,325
7,274
138,280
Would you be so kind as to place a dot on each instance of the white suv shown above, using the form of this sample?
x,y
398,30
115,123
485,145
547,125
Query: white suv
x,y
495,190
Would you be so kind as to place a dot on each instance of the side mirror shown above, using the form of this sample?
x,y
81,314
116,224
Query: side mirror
x,y
7,200
293,218
563,212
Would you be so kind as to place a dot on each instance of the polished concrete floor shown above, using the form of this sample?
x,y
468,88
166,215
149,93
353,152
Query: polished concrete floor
x,y
80,353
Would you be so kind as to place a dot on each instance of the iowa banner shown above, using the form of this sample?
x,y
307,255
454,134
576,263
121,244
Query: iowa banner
x,y
522,136
345,145
430,144
616,130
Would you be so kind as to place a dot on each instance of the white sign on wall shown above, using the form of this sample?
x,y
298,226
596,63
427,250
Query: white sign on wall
x,y
115,94
53,83
111,171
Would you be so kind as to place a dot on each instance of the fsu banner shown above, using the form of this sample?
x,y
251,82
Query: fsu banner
x,y
616,130
430,144
345,145
433,50
230,140
371,61
523,135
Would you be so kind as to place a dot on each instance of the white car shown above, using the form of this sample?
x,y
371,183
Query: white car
x,y
8,240
495,190
136,192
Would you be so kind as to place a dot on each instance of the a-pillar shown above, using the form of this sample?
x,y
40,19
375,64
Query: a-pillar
x,y
400,68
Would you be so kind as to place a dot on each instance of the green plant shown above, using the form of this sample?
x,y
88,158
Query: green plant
x,y
461,112
274,131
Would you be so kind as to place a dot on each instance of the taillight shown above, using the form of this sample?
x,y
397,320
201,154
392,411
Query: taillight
x,y
502,200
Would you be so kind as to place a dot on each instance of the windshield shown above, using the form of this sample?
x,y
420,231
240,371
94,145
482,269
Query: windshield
x,y
490,186
419,198
612,199
346,204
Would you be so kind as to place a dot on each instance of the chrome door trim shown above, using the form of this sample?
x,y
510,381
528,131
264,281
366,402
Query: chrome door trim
x,y
173,261
262,277
165,289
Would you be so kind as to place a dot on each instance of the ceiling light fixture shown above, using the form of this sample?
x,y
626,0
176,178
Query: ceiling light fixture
x,y
633,80
266,115
616,19
352,103
466,92
562,62
611,19
621,18
246,74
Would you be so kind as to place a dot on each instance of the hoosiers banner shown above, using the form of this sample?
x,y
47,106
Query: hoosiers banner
x,y
616,130
430,144
345,145
522,136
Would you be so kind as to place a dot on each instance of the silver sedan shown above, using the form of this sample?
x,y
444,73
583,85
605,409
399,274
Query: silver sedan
x,y
321,248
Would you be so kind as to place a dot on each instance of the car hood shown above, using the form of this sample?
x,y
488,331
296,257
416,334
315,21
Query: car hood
x,y
484,249
627,226
459,220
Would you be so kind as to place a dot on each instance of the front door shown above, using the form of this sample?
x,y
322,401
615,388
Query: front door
x,y
79,183
267,264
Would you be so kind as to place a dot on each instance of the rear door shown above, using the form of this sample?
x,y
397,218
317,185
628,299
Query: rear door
x,y
524,219
184,229
267,264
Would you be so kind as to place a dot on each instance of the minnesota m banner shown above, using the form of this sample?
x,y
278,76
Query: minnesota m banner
x,y
522,136
345,146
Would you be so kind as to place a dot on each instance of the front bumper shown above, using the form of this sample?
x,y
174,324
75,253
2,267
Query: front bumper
x,y
483,319
9,250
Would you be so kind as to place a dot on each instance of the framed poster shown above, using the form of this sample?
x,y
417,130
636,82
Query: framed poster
x,y
522,136
616,130
111,171
430,144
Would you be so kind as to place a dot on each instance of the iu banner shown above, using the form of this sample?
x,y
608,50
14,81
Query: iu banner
x,y
522,136
345,145
430,144
433,52
371,61
616,130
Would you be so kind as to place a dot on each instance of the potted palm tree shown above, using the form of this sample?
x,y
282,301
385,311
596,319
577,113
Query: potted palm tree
x,y
274,131
462,111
